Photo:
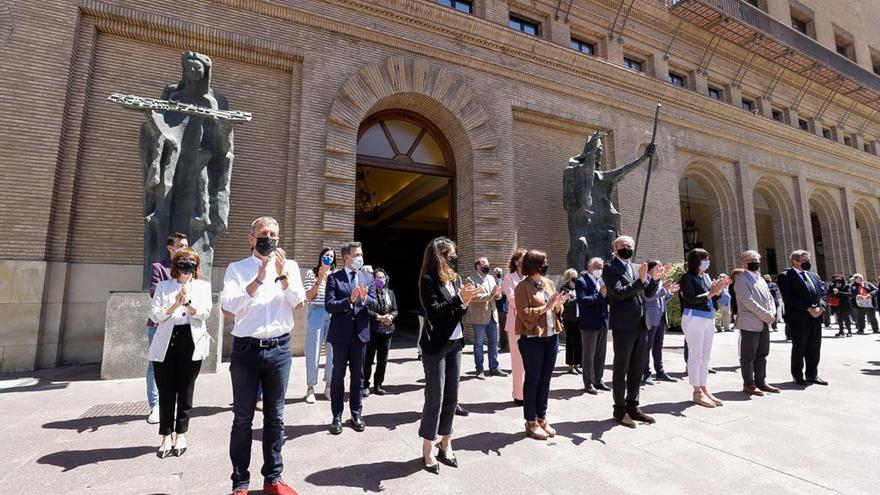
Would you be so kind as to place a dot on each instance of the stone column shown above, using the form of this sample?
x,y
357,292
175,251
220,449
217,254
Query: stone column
x,y
858,141
747,204
779,10
816,126
765,108
790,116
733,95
558,31
698,82
658,66
803,206
613,50
851,233
494,11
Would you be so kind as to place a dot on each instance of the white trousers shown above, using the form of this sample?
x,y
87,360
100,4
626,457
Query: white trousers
x,y
699,334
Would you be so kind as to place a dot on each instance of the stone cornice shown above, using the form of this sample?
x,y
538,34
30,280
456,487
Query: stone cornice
x,y
469,29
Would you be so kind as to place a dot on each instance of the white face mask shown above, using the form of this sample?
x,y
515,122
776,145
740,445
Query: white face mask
x,y
704,265
357,262
597,273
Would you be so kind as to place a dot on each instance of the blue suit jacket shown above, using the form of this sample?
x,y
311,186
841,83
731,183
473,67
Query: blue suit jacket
x,y
592,305
346,320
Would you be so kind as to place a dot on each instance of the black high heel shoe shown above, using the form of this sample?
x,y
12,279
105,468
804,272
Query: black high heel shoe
x,y
433,469
165,448
441,456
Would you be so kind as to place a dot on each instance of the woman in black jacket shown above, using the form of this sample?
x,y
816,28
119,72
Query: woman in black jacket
x,y
381,329
839,294
698,322
445,301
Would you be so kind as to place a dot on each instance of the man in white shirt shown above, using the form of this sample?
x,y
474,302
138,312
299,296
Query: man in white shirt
x,y
261,291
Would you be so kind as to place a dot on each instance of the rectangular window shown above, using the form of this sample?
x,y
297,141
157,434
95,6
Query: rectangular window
x,y
847,140
524,26
677,80
777,115
460,5
826,133
804,125
714,93
867,147
802,19
583,46
799,25
843,44
632,64
747,104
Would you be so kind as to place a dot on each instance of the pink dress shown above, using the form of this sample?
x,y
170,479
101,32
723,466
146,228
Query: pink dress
x,y
511,280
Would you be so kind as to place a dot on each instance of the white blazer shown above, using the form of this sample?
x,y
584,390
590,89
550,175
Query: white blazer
x,y
163,297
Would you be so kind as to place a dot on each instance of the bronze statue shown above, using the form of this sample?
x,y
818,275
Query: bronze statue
x,y
593,222
186,150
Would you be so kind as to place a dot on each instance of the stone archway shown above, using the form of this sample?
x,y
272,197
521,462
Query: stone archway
x,y
418,86
725,232
834,248
868,225
785,234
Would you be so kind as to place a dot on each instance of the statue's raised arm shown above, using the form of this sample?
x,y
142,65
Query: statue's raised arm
x,y
614,176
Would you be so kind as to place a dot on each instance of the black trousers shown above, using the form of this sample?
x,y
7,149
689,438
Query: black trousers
x,y
176,380
377,349
753,352
806,344
347,355
866,313
842,316
595,347
629,360
442,372
573,347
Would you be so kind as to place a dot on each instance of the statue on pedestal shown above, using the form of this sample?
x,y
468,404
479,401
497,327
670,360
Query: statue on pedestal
x,y
593,222
186,151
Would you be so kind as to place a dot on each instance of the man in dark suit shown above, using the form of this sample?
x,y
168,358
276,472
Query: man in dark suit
x,y
627,285
350,292
805,299
593,324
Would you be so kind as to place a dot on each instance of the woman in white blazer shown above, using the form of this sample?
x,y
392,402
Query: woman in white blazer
x,y
180,307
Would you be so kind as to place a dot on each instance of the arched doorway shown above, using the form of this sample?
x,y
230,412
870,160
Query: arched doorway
x,y
868,238
711,221
403,199
832,254
776,224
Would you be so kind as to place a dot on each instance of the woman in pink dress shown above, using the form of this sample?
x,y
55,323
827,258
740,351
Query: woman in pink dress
x,y
511,280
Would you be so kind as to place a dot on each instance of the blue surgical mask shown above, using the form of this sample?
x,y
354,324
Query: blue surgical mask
x,y
704,265
357,262
326,260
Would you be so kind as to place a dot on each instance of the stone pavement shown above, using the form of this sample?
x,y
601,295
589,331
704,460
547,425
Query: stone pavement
x,y
64,431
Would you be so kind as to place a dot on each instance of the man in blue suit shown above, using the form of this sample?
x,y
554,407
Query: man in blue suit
x,y
805,299
593,324
349,294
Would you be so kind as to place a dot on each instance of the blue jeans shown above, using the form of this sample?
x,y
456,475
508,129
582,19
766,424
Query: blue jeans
x,y
250,366
316,335
488,331
152,389
539,359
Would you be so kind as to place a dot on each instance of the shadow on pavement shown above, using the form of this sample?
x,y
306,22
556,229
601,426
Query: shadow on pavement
x,y
671,408
72,459
566,393
733,396
486,442
391,421
369,477
575,430
489,407
402,389
92,424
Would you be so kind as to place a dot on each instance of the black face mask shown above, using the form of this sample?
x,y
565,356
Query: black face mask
x,y
266,245
625,253
805,266
453,262
753,266
186,267
543,270
484,270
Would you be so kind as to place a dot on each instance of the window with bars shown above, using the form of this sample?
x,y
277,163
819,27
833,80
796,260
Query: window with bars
x,y
524,25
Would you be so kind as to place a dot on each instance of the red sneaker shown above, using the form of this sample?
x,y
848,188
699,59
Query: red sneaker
x,y
278,488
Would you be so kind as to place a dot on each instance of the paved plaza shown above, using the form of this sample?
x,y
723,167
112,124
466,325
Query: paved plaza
x,y
65,431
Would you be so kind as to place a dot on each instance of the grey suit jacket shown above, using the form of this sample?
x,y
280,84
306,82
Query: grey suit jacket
x,y
754,302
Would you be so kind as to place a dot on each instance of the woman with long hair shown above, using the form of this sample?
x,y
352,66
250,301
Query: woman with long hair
x,y
444,300
538,307
381,330
508,286
698,294
318,323
570,313
180,307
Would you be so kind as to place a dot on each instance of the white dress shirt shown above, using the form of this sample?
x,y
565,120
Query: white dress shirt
x,y
457,333
269,313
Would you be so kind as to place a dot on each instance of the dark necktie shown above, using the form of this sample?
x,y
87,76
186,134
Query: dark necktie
x,y
351,275
809,283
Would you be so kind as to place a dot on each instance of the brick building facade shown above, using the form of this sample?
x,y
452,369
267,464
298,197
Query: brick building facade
x,y
509,89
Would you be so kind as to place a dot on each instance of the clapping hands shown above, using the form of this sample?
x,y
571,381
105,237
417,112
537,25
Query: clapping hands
x,y
468,292
359,292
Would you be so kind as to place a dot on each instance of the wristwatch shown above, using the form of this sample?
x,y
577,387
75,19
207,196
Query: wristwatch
x,y
187,303
283,276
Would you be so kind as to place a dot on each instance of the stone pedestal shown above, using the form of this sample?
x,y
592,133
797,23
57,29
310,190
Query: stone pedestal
x,y
125,336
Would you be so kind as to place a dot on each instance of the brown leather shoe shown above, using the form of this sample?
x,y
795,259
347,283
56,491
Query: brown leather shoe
x,y
702,401
626,421
768,388
752,390
547,428
534,430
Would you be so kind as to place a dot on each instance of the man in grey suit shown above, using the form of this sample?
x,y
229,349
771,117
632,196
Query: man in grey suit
x,y
756,312
655,307
483,315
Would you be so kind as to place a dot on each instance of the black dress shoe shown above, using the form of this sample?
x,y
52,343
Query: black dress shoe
x,y
664,376
518,402
801,382
603,387
712,371
460,411
365,392
433,469
441,456
591,390
357,422
336,425
817,381
648,380
378,390
640,416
